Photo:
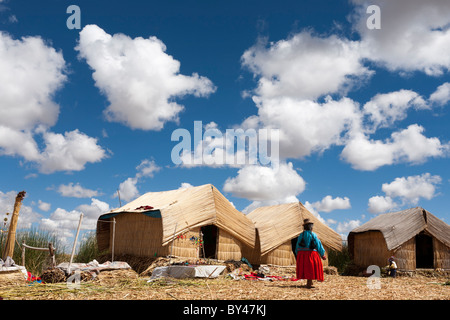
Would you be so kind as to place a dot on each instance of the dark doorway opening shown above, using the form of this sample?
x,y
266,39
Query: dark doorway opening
x,y
209,241
424,251
294,244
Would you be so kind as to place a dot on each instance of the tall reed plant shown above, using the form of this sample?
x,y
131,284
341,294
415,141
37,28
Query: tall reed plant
x,y
88,249
340,259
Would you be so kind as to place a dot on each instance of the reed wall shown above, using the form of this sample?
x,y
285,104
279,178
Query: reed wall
x,y
441,255
140,235
405,256
280,256
228,247
103,231
253,254
183,246
370,248
284,256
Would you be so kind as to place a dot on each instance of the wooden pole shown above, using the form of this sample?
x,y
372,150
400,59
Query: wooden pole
x,y
75,243
202,244
113,239
23,253
173,239
11,239
34,248
120,202
51,251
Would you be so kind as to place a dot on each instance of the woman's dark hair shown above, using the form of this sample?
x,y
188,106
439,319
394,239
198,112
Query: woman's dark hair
x,y
308,226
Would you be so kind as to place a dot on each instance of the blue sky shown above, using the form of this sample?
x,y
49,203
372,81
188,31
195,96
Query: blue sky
x,y
363,113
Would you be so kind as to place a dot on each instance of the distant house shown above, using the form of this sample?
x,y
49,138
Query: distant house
x,y
278,227
415,237
175,222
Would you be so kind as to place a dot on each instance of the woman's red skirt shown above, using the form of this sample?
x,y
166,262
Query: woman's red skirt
x,y
309,265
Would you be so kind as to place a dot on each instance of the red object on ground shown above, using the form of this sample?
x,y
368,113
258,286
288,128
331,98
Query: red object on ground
x,y
32,278
255,276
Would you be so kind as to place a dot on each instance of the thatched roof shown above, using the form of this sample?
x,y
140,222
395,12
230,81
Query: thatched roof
x,y
186,208
280,223
399,227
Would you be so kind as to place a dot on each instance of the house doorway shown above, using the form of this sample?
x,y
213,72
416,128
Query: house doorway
x,y
294,244
209,249
424,251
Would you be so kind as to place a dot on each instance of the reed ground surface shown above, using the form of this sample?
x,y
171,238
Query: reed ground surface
x,y
128,285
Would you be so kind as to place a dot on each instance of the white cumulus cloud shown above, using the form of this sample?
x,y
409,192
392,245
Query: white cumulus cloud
x,y
385,109
408,190
185,185
31,72
442,94
44,206
76,191
64,223
147,168
413,188
128,189
303,80
305,66
382,204
138,77
265,185
306,126
413,35
409,145
343,228
328,204
69,152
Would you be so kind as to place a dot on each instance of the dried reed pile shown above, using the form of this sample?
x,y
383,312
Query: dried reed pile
x,y
126,285
12,278
53,275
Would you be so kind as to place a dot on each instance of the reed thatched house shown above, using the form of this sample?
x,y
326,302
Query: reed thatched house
x,y
415,237
278,227
175,223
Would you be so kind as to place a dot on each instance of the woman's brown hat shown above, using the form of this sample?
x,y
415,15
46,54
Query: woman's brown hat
x,y
307,221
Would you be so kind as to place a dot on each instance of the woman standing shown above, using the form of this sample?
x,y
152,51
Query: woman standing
x,y
308,251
